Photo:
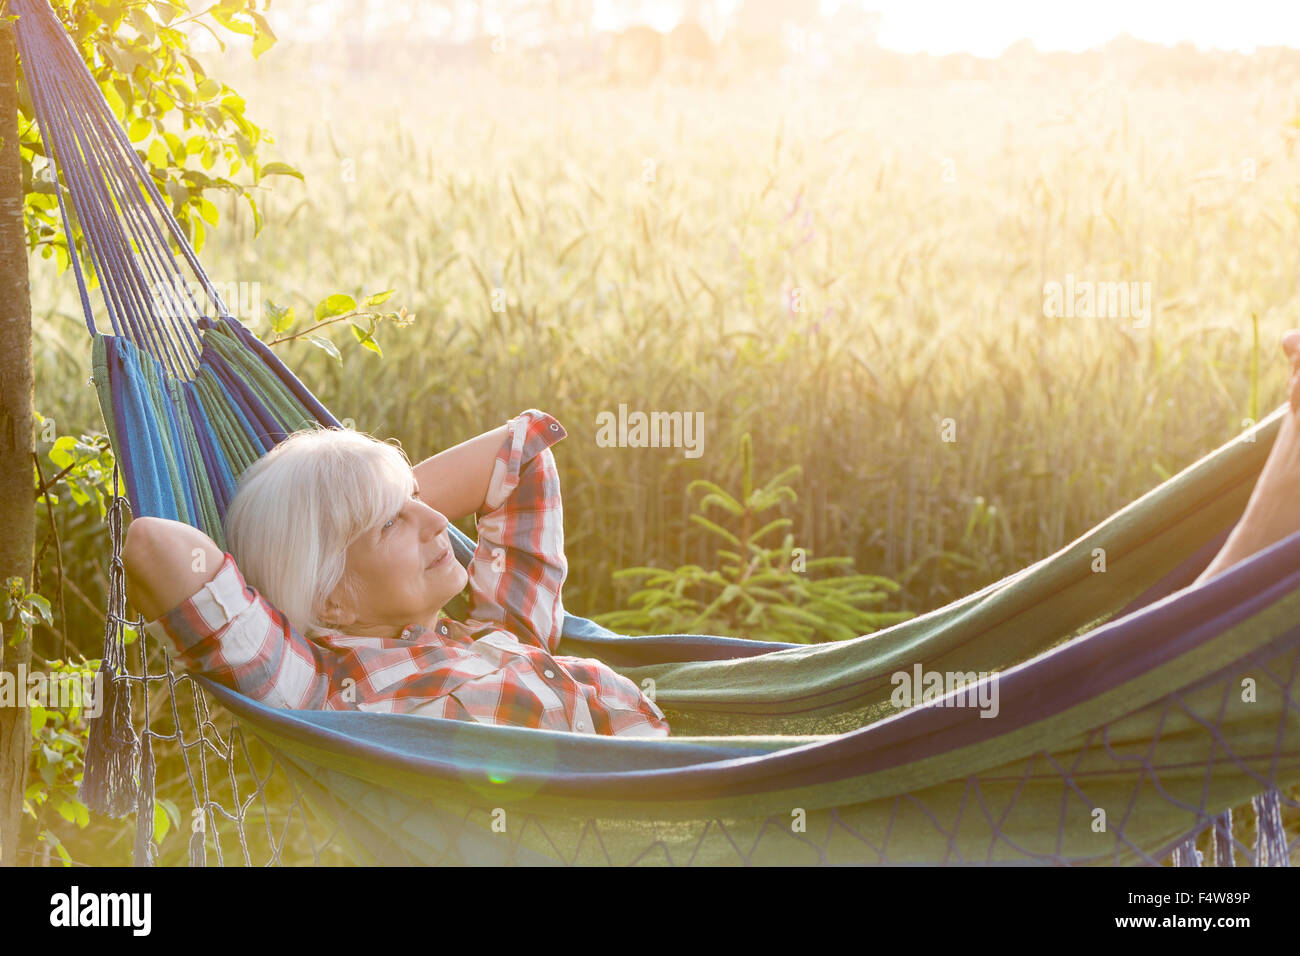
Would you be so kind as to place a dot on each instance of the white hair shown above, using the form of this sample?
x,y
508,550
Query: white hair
x,y
299,507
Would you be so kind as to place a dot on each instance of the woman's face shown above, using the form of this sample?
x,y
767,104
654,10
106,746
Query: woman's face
x,y
396,575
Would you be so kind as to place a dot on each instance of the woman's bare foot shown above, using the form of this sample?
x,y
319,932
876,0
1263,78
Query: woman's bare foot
x,y
1273,512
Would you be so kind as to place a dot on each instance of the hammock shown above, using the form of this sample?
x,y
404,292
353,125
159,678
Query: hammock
x,y
1121,737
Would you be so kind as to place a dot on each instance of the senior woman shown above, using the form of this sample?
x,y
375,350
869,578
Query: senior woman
x,y
340,564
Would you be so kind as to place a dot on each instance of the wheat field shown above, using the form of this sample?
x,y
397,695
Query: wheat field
x,y
851,270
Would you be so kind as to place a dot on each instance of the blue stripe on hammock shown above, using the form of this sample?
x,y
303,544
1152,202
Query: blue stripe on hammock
x,y
220,478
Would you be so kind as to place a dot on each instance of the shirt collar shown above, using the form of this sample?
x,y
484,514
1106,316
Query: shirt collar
x,y
442,625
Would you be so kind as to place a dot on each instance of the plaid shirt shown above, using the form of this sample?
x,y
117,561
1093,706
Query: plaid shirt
x,y
496,668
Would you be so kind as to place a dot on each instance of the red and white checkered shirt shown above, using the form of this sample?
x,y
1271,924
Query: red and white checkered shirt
x,y
496,668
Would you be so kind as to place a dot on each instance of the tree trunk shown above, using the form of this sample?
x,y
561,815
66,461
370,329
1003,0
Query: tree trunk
x,y
17,486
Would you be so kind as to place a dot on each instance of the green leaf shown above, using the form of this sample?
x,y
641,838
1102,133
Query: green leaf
x,y
139,129
223,17
118,57
207,89
707,486
323,343
280,169
110,13
791,472
336,304
366,338
281,318
162,102
157,154
42,605
706,523
175,145
179,194
265,38
257,213
143,23
161,823
61,451
173,811
208,209
770,527
378,298
724,501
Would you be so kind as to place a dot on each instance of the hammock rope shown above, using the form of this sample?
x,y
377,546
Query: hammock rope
x,y
1123,734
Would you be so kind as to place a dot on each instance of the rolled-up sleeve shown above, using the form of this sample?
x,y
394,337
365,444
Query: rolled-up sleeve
x,y
230,633
519,565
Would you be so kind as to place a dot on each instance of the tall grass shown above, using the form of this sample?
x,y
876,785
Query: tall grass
x,y
916,225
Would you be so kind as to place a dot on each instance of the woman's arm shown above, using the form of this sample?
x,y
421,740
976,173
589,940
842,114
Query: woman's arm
x,y
196,602
166,561
517,575
455,481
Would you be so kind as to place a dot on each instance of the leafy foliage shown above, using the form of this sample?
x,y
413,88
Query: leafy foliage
x,y
60,730
138,55
27,606
759,591
336,308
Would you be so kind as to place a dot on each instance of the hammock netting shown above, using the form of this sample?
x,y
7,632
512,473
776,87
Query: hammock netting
x,y
1134,712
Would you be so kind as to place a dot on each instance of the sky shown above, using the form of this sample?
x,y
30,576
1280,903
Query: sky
x,y
981,27
989,27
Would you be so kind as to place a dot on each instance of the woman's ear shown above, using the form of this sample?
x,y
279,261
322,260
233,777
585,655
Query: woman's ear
x,y
336,616
339,611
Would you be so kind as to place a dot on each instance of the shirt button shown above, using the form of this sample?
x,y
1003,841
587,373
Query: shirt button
x,y
443,628
406,632
581,725
548,672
